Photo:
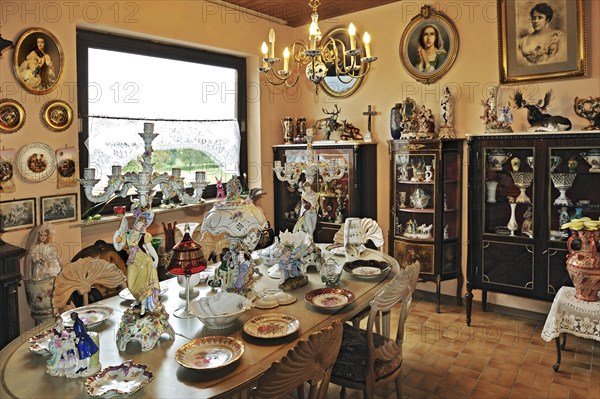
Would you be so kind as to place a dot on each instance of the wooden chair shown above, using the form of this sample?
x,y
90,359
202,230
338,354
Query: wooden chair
x,y
371,233
367,357
309,361
214,246
80,276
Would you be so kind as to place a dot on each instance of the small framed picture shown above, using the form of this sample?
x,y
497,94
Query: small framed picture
x,y
58,208
38,61
541,41
17,214
429,45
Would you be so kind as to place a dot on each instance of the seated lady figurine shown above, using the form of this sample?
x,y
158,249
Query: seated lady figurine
x,y
142,276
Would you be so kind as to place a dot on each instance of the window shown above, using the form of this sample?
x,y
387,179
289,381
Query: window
x,y
195,98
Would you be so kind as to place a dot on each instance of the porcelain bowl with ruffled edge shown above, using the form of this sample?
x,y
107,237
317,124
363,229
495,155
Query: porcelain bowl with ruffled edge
x,y
221,310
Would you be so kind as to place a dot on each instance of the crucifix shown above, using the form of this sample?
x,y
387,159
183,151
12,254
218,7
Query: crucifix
x,y
369,113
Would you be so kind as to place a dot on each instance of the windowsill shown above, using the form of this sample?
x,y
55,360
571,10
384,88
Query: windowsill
x,y
107,219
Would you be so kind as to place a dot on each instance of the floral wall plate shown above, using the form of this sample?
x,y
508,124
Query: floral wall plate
x,y
124,379
272,325
12,116
36,161
57,115
209,352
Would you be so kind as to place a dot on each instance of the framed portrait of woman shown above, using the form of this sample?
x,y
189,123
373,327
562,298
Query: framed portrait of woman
x,y
429,45
541,40
38,61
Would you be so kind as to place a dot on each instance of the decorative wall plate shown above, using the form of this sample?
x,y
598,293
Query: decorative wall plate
x,y
57,115
209,352
123,379
330,298
91,315
36,162
12,116
271,325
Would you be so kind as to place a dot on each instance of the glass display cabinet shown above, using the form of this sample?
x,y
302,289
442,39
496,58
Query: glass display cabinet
x,y
426,203
354,194
522,188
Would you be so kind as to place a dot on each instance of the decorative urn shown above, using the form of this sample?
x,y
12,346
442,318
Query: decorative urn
x,y
583,265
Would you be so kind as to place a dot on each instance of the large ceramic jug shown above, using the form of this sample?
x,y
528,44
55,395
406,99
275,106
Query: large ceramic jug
x,y
583,265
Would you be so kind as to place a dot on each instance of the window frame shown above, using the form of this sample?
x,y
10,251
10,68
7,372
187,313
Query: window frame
x,y
108,41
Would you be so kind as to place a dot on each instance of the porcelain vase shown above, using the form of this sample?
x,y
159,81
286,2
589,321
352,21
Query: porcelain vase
x,y
39,298
512,223
491,191
583,265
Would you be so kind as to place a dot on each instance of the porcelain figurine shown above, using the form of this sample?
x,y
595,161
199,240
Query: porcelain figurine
x,y
419,199
307,221
536,116
447,114
292,249
527,225
220,189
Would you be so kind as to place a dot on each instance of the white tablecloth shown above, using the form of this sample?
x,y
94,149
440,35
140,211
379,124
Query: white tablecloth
x,y
572,316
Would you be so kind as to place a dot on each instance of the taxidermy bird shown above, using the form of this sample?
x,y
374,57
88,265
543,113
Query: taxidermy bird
x,y
540,121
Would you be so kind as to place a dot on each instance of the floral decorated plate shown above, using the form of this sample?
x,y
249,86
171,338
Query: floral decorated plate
x,y
126,294
209,352
39,342
124,379
91,315
367,269
271,325
330,298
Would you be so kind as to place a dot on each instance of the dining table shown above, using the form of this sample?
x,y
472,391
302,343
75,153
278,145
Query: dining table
x,y
23,373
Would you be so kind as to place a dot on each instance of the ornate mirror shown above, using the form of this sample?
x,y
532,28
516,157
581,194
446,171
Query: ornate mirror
x,y
336,83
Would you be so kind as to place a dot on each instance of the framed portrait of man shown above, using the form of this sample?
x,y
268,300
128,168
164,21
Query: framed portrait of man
x,y
38,61
429,45
541,40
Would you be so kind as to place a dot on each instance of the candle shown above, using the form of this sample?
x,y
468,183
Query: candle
x,y
116,170
265,52
286,59
148,127
277,164
367,42
313,31
272,43
200,177
309,132
176,172
352,32
89,173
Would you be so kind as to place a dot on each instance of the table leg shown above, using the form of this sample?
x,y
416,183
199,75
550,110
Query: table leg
x,y
564,342
557,364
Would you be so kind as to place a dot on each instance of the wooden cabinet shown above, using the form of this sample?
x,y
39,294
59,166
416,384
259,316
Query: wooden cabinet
x,y
10,275
522,187
355,194
426,206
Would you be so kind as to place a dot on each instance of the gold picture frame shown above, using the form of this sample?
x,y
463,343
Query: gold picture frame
x,y
12,116
414,45
38,61
17,214
541,41
57,115
58,208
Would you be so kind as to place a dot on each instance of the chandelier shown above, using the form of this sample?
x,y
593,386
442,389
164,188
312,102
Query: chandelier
x,y
331,169
318,56
145,181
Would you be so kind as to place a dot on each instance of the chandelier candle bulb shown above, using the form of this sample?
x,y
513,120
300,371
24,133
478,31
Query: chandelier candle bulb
x,y
265,52
352,32
272,43
176,172
367,42
148,127
89,173
286,59
116,170
312,31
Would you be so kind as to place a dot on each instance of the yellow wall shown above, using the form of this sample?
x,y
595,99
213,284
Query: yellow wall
x,y
205,25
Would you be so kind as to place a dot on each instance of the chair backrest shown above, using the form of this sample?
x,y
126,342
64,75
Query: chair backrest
x,y
213,246
309,361
399,289
370,231
80,276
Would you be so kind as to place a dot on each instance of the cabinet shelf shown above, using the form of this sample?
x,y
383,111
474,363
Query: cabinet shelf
x,y
440,161
522,265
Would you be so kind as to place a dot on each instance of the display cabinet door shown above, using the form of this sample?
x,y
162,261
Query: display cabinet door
x,y
507,265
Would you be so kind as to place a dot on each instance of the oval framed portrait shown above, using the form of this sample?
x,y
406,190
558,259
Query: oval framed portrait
x,y
429,45
57,115
38,61
12,116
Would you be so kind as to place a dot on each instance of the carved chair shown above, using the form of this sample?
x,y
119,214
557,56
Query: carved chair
x,y
367,357
309,361
80,276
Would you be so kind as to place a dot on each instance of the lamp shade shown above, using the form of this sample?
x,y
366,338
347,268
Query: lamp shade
x,y
187,257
